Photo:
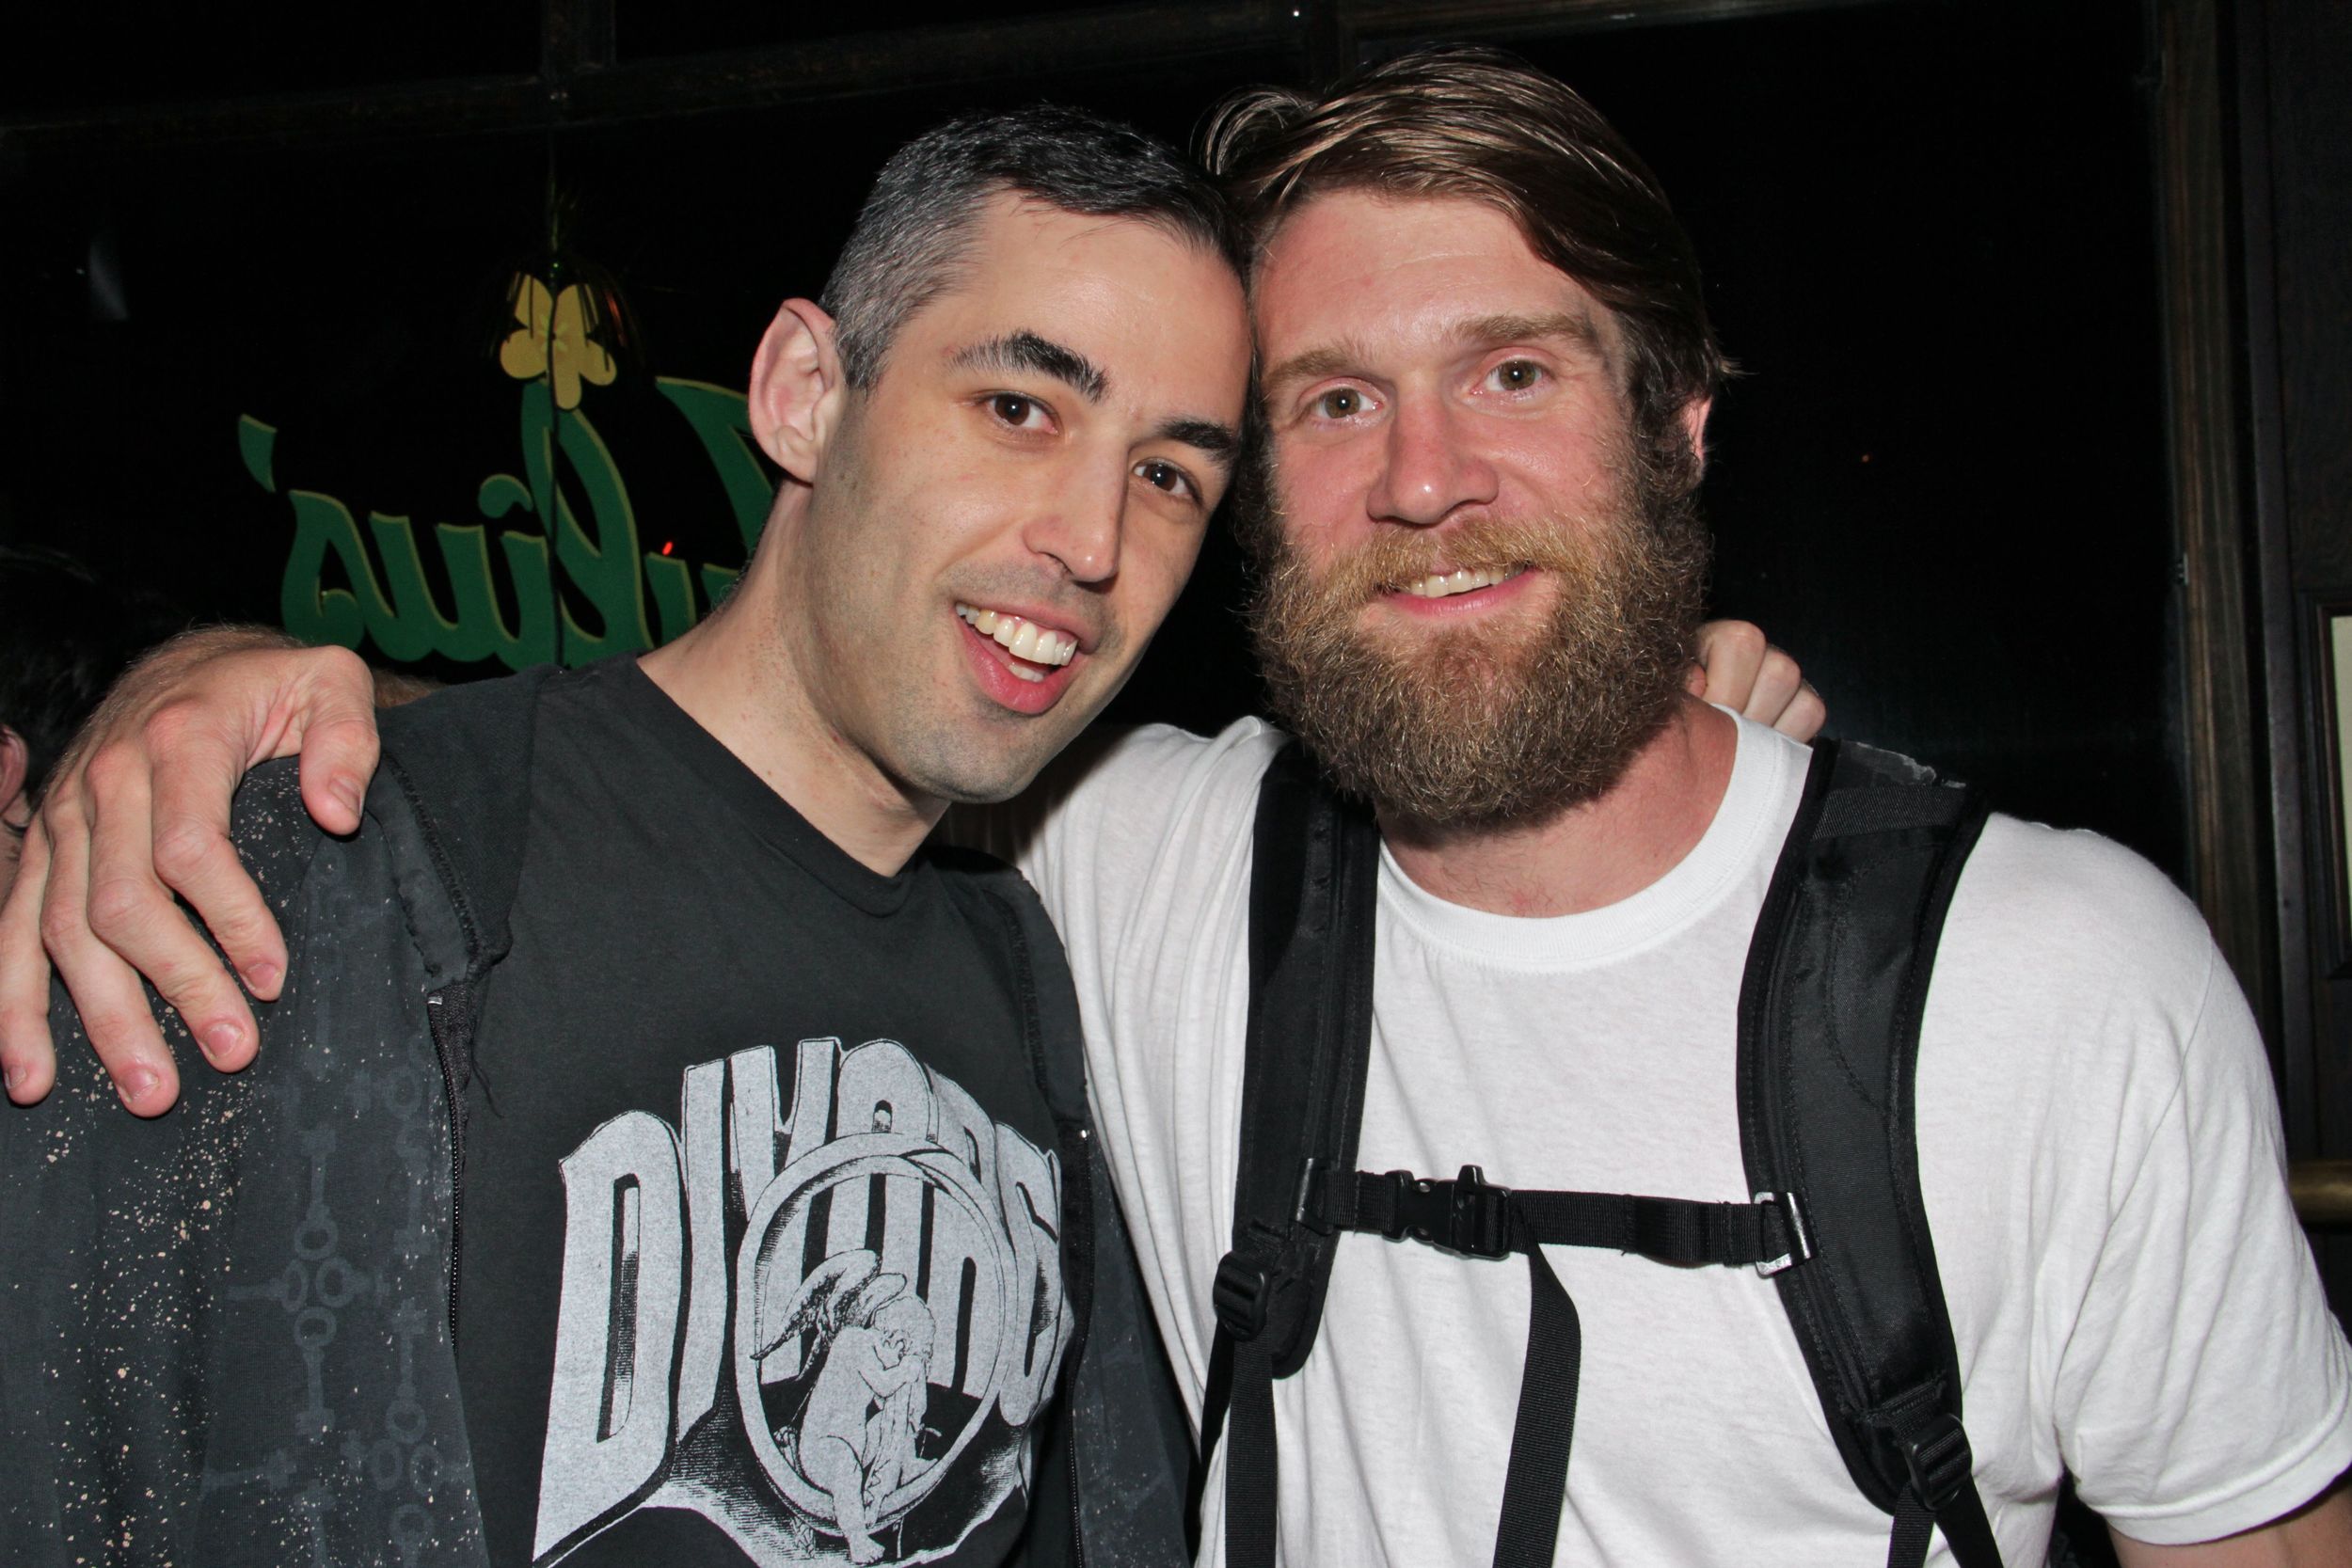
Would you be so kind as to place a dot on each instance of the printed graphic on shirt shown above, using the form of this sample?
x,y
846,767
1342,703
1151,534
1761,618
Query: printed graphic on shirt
x,y
825,1326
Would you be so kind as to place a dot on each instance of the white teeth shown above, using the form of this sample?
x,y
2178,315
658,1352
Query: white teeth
x,y
1022,639
1446,585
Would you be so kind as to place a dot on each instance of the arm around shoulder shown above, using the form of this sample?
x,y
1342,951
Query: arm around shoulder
x,y
137,817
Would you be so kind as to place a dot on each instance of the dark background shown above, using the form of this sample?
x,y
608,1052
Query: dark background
x,y
2039,464
1928,229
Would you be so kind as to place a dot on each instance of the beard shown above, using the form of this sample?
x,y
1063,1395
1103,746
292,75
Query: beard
x,y
1487,724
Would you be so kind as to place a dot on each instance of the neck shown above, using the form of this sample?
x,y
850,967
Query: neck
x,y
1590,855
738,676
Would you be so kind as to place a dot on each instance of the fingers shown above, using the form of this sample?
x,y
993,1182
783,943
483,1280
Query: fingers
x,y
106,991
1804,717
1782,698
196,748
142,851
28,1059
338,738
1777,685
137,811
1732,653
197,762
1741,670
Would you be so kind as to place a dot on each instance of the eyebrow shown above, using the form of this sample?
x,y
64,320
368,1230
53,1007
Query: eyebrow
x,y
1026,351
1340,358
1575,326
1221,441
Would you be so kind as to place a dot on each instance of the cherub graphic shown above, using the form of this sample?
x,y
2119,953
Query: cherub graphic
x,y
871,1349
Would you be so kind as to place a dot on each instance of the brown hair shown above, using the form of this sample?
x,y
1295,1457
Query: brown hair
x,y
1478,123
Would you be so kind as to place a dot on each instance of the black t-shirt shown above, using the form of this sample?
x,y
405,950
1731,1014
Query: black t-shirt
x,y
758,1237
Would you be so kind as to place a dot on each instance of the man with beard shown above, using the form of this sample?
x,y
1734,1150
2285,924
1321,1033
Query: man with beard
x,y
1487,370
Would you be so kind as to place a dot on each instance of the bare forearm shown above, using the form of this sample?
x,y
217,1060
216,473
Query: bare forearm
x,y
2317,1535
162,666
192,648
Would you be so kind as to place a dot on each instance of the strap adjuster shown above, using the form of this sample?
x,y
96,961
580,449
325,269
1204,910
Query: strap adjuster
x,y
1243,1291
1467,1214
1939,1461
1800,1245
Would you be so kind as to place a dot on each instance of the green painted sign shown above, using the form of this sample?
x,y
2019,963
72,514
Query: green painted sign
x,y
568,510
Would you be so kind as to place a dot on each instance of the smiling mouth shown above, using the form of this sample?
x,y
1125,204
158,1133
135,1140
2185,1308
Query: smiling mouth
x,y
1036,650
1444,585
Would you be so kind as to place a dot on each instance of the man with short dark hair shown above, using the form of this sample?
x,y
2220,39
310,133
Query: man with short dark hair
x,y
632,1018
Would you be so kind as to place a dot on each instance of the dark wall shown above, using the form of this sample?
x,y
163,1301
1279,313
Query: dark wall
x,y
1927,226
2297,55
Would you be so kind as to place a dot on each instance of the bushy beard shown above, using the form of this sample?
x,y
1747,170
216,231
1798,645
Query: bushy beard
x,y
1479,725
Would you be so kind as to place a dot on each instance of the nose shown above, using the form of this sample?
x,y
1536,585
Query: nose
x,y
1428,468
1080,528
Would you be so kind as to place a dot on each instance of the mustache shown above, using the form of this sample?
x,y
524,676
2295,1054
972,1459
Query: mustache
x,y
1390,560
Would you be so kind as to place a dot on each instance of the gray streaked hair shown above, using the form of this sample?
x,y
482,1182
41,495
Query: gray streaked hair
x,y
914,232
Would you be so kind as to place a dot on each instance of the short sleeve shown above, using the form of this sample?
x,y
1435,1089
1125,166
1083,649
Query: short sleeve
x,y
2205,1387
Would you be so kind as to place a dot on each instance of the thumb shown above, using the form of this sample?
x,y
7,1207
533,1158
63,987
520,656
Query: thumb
x,y
340,751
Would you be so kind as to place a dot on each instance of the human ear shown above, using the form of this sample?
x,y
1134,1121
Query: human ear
x,y
15,762
1694,428
797,388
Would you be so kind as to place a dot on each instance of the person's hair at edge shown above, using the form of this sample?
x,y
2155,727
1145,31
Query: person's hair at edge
x,y
912,235
64,637
1460,120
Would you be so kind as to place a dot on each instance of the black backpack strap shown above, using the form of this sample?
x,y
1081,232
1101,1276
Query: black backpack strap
x,y
1472,1217
1830,1011
1313,886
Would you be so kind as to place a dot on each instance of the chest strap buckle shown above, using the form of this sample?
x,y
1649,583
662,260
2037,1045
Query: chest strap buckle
x,y
1467,1214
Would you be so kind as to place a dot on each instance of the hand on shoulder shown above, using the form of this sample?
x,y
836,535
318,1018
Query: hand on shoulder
x,y
136,816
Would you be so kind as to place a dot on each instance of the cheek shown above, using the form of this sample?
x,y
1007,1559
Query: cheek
x,y
1156,562
1553,479
1317,481
1319,493
1569,460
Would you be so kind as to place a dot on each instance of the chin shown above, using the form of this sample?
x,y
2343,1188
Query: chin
x,y
979,776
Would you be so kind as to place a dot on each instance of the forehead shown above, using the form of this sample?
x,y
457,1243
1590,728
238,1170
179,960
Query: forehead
x,y
1355,267
1147,305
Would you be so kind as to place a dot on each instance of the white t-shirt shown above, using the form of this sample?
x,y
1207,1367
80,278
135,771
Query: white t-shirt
x,y
2099,1150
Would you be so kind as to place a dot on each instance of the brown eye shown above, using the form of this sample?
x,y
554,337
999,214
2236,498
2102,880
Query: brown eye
x,y
1013,408
1166,476
1341,402
1517,375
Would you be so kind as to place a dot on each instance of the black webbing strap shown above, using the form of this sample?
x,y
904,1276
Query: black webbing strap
x,y
1536,1484
1939,1489
1469,1215
1252,1490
